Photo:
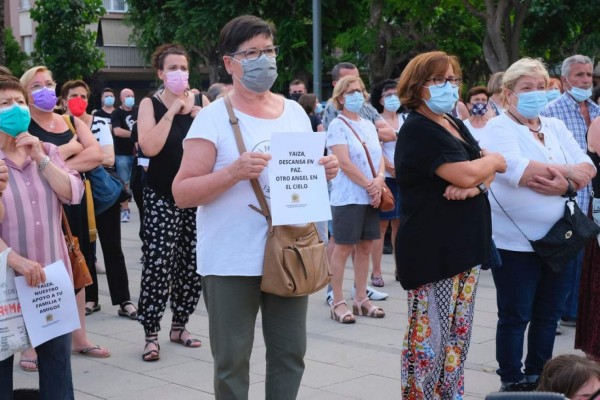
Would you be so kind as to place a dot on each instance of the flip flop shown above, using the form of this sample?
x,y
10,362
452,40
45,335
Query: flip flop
x,y
92,351
93,309
32,361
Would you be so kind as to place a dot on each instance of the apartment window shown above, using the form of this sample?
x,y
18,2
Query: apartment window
x,y
115,5
25,4
27,44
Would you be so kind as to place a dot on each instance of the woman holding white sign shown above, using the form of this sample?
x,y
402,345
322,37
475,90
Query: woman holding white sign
x,y
230,255
39,184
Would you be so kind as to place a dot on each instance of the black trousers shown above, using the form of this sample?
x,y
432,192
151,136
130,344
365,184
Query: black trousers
x,y
108,225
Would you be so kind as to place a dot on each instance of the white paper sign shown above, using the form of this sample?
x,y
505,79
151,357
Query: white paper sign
x,y
49,309
297,180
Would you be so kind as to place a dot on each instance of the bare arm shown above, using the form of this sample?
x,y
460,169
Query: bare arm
x,y
108,155
469,174
32,270
122,133
152,136
91,156
196,184
384,131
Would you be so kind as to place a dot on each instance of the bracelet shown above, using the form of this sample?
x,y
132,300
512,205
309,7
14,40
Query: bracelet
x,y
570,190
44,162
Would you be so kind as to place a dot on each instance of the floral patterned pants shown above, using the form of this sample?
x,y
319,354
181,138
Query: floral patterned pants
x,y
440,317
169,262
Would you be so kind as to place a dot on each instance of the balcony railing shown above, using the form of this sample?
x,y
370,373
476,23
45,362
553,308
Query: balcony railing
x,y
121,56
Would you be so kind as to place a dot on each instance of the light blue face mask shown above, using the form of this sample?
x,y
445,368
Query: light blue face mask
x,y
109,101
531,104
391,103
442,99
129,101
580,94
552,94
354,102
319,108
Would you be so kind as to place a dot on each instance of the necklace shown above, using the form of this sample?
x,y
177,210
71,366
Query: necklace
x,y
537,131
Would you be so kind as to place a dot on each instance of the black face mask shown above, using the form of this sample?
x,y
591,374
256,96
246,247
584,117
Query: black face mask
x,y
296,96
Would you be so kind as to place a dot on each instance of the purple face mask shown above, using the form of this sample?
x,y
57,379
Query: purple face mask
x,y
44,99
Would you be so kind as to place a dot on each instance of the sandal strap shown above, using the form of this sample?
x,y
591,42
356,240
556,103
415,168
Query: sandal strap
x,y
339,303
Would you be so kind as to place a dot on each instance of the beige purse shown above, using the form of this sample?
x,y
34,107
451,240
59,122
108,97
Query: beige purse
x,y
295,262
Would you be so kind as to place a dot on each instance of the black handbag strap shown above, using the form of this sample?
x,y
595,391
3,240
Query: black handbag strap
x,y
363,144
262,201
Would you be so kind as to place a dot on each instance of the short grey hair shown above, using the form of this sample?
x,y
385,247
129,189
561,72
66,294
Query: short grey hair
x,y
576,59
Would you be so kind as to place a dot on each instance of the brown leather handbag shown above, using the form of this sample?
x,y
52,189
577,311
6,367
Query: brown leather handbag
x,y
295,263
387,198
81,273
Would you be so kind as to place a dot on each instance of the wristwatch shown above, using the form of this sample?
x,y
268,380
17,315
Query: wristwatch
x,y
482,188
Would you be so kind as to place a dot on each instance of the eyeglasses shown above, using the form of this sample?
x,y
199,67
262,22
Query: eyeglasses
x,y
441,82
389,95
254,54
351,92
38,86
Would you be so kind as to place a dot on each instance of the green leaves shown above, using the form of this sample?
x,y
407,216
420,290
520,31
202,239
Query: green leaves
x,y
62,43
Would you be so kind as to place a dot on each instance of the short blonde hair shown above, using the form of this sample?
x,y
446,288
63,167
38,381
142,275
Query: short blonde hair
x,y
524,67
28,76
342,86
494,85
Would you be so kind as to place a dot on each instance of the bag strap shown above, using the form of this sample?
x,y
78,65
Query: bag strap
x,y
508,216
262,201
67,228
363,144
67,119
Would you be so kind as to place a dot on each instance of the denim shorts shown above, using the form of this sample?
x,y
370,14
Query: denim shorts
x,y
124,165
395,213
355,222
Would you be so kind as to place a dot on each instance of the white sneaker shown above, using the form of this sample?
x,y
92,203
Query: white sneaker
x,y
100,269
372,294
329,297
125,215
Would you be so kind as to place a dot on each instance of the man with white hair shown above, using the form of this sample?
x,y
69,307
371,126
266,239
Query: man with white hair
x,y
576,110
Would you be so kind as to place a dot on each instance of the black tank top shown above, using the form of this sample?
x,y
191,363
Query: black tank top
x,y
595,180
57,139
164,166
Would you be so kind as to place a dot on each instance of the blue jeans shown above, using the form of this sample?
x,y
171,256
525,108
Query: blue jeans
x,y
527,293
570,310
124,165
54,360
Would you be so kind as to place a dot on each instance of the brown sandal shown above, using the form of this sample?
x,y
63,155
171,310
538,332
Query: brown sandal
x,y
345,318
374,312
189,342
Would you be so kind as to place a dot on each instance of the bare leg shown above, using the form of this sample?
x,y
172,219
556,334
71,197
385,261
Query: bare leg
x,y
377,252
337,265
80,339
362,253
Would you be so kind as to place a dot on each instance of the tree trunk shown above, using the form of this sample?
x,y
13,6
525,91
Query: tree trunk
x,y
377,58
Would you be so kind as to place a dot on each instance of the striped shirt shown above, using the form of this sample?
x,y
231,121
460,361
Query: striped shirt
x,y
32,219
566,109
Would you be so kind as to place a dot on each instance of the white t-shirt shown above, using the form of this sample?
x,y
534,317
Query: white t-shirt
x,y
476,132
101,130
533,212
230,235
343,190
389,148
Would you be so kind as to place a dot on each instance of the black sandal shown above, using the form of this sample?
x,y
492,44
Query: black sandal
x,y
124,313
152,354
181,329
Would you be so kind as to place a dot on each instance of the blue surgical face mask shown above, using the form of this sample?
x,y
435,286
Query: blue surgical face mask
x,y
552,94
319,108
580,94
531,104
391,103
14,119
354,102
442,99
109,101
129,102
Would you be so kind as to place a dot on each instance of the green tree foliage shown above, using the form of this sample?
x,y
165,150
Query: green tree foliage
x,y
196,24
16,59
63,44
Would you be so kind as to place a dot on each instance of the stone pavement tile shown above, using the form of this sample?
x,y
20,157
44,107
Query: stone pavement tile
x,y
320,394
485,318
480,383
369,387
383,364
326,349
193,374
166,392
369,336
482,334
322,375
482,353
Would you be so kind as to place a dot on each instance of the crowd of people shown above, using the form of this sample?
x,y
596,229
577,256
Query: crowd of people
x,y
474,181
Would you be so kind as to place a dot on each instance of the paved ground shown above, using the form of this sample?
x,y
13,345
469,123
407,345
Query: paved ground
x,y
360,361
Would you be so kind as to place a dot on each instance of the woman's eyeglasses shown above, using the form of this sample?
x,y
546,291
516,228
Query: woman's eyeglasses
x,y
254,54
441,82
38,86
